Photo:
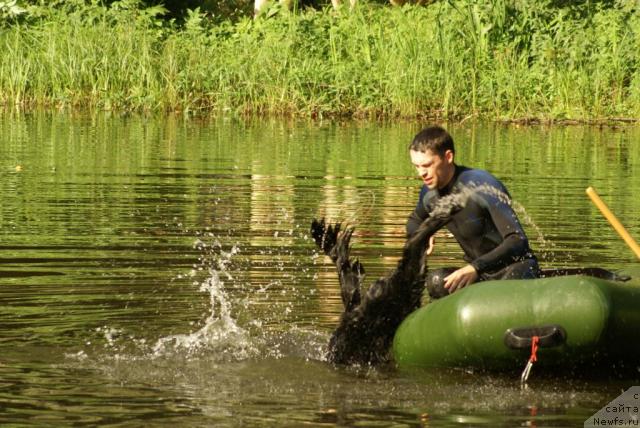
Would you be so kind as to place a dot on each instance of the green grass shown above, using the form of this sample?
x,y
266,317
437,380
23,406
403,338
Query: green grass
x,y
500,59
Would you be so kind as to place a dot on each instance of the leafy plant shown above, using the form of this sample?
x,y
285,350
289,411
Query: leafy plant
x,y
506,59
10,10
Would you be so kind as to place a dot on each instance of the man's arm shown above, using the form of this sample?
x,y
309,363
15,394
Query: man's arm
x,y
513,246
514,243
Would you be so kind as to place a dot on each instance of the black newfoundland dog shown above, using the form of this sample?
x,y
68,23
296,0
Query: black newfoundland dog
x,y
369,321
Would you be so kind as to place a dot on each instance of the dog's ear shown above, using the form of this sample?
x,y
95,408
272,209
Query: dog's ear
x,y
350,298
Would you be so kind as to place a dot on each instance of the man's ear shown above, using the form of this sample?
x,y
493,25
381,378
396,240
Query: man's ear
x,y
448,156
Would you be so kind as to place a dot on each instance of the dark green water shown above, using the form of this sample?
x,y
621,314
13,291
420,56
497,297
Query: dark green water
x,y
158,271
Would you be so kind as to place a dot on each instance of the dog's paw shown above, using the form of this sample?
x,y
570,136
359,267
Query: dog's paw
x,y
326,237
317,231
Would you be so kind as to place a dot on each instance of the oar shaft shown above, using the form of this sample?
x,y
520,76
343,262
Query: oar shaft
x,y
614,221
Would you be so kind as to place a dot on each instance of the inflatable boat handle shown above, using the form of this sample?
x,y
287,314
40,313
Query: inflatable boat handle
x,y
549,336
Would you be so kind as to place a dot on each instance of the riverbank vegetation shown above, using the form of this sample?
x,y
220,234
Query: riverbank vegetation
x,y
496,59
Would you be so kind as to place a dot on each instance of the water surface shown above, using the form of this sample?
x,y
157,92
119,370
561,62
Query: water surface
x,y
159,271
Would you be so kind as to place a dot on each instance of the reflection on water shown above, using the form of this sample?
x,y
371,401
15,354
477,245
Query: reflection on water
x,y
160,269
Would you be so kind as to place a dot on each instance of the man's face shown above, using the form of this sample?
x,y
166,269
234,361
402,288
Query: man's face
x,y
435,171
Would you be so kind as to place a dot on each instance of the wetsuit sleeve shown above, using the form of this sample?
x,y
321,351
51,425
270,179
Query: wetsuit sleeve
x,y
514,245
418,215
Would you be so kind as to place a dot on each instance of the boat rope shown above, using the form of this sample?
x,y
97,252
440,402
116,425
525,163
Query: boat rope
x,y
532,359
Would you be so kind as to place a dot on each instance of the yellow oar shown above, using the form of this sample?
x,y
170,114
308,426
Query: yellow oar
x,y
614,221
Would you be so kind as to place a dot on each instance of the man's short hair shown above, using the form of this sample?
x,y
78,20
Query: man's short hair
x,y
434,138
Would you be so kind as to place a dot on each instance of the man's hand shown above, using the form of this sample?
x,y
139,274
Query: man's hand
x,y
460,278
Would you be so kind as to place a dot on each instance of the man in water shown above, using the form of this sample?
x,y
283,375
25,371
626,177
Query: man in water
x,y
487,228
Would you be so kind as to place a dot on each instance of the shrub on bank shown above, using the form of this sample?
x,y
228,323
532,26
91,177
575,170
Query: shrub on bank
x,y
496,59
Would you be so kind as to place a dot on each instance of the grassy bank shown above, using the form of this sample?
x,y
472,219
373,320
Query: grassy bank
x,y
495,59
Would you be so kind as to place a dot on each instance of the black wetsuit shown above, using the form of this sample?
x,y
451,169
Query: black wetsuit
x,y
486,227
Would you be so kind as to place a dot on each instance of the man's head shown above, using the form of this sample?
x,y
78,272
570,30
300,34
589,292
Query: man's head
x,y
432,154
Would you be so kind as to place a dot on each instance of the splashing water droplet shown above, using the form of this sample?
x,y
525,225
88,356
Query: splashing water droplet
x,y
220,335
472,189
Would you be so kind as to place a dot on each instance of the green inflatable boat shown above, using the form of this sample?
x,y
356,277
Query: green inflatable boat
x,y
579,321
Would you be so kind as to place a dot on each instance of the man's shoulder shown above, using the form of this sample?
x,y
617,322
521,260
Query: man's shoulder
x,y
427,194
476,176
428,197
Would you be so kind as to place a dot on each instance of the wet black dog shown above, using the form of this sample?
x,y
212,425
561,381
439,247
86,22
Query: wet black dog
x,y
369,322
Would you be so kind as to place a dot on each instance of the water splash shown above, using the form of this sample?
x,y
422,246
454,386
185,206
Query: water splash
x,y
110,335
247,318
220,335
351,206
546,247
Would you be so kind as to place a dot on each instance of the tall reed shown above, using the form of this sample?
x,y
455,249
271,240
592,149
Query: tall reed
x,y
503,59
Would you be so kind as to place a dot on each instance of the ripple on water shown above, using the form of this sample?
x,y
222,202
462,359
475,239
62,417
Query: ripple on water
x,y
123,299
